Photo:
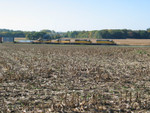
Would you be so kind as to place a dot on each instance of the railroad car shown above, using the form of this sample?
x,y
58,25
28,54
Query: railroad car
x,y
64,41
46,41
36,42
83,41
39,41
55,41
105,42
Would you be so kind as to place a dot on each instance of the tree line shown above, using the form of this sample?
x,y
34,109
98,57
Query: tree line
x,y
96,34
110,34
31,35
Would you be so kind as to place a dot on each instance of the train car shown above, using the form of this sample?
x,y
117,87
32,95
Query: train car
x,y
41,41
105,42
56,41
36,42
64,41
46,41
83,41
24,41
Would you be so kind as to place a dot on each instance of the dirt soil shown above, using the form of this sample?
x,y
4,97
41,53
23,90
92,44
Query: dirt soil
x,y
74,78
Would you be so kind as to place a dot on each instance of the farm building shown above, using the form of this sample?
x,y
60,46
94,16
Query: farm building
x,y
7,39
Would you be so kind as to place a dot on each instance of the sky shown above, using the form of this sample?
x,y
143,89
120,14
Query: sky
x,y
70,15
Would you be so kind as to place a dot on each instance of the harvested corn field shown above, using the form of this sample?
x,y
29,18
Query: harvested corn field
x,y
57,78
144,42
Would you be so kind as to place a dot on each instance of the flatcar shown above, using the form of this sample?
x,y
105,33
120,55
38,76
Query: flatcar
x,y
82,41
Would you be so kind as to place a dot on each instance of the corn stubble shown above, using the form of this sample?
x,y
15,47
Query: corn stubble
x,y
44,78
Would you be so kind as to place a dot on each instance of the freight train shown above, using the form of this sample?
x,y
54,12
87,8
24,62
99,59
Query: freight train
x,y
61,41
76,41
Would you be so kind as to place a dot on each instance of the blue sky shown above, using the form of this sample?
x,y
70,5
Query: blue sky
x,y
69,15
